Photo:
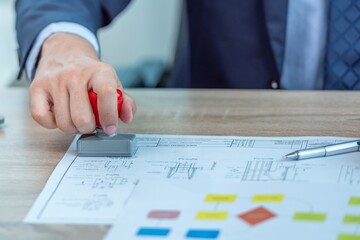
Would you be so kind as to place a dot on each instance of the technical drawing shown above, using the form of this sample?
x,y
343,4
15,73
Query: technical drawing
x,y
97,203
268,171
117,164
80,183
350,174
109,182
187,169
183,169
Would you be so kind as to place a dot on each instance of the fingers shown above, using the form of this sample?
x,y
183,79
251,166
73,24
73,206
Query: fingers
x,y
62,111
104,84
59,98
128,109
41,108
80,109
71,111
67,69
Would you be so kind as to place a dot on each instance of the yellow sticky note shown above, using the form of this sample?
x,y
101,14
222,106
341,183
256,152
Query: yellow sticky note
x,y
348,237
307,216
354,201
278,198
220,198
211,216
351,219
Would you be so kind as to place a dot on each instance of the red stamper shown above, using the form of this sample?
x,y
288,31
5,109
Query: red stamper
x,y
94,104
99,144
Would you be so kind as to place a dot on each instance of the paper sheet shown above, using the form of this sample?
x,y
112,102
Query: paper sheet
x,y
246,210
95,189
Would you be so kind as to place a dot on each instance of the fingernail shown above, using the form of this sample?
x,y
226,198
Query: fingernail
x,y
111,129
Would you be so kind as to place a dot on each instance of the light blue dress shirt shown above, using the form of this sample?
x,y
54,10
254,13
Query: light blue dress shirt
x,y
306,37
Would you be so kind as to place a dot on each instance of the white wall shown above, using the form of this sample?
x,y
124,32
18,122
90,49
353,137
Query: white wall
x,y
147,29
8,46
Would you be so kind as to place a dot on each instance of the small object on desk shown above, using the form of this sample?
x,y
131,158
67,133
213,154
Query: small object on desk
x,y
100,144
329,150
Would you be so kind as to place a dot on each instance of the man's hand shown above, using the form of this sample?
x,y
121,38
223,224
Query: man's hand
x,y
68,68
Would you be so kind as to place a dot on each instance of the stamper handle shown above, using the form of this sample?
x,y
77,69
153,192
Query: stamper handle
x,y
94,104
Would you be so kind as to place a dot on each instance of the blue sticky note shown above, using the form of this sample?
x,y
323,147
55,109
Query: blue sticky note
x,y
153,232
205,234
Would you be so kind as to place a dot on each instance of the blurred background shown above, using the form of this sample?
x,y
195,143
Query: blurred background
x,y
140,43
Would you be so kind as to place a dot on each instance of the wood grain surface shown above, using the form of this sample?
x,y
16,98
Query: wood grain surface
x,y
29,153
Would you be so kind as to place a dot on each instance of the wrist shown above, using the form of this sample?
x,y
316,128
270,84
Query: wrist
x,y
67,43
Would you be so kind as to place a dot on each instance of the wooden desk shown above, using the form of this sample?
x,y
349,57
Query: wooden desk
x,y
29,153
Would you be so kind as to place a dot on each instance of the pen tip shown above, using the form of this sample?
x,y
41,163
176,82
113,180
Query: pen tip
x,y
291,156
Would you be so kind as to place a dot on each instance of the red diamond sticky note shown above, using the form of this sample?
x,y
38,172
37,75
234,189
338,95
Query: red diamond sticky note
x,y
256,216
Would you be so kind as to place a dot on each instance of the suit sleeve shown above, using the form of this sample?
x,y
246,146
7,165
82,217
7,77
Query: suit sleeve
x,y
34,15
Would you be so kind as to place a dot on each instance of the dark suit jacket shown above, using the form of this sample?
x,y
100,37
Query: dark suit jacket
x,y
228,43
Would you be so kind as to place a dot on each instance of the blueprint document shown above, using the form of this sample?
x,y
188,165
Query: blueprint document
x,y
95,189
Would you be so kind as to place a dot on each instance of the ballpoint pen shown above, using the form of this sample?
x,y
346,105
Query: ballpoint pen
x,y
329,150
